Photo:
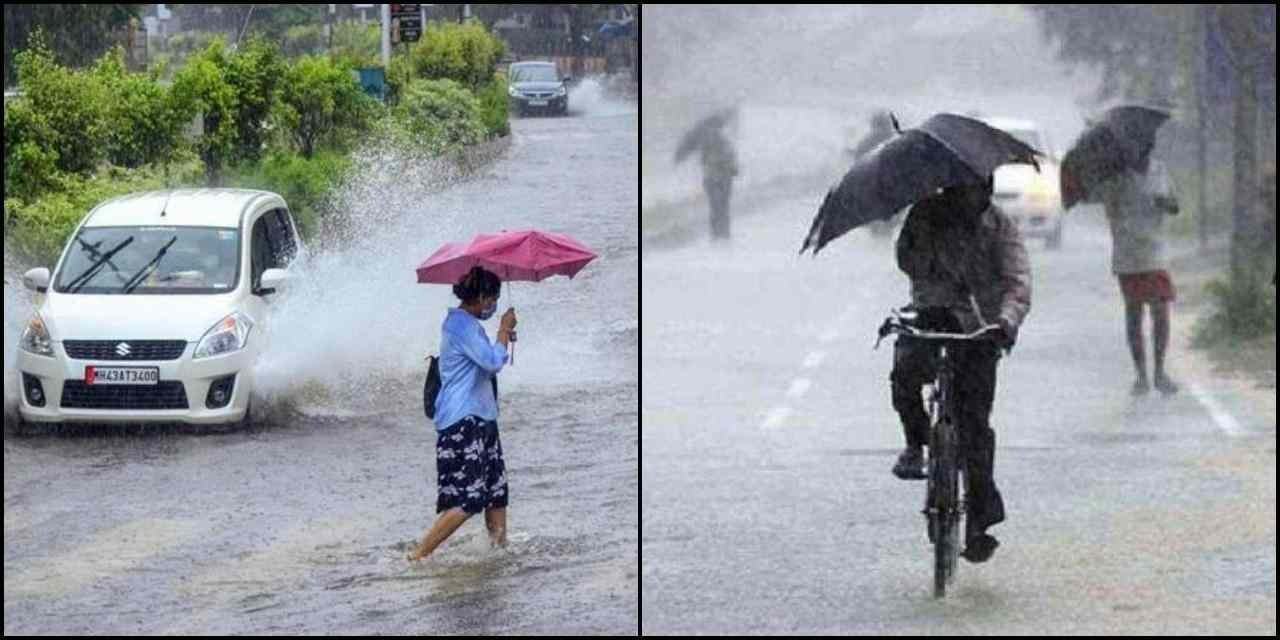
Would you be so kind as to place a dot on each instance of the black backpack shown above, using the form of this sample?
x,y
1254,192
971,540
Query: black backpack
x,y
431,390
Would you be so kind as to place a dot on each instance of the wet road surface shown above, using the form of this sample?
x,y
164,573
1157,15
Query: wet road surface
x,y
769,434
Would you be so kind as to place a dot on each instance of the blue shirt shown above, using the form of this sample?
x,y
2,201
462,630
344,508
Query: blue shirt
x,y
468,362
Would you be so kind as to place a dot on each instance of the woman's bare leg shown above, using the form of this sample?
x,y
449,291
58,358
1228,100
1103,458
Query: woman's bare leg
x,y
444,526
496,521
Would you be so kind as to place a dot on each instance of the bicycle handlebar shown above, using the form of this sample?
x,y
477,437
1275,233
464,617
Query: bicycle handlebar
x,y
896,326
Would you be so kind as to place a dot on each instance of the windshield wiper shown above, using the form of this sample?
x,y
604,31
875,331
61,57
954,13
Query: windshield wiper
x,y
137,278
79,281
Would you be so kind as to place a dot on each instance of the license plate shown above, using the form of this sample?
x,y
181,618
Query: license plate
x,y
121,375
537,103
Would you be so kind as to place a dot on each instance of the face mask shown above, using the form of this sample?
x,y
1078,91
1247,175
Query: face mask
x,y
489,311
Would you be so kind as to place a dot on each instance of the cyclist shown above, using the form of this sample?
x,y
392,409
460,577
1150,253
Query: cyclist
x,y
956,247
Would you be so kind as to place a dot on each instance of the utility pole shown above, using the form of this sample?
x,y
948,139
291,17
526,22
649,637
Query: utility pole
x,y
386,35
1202,129
328,25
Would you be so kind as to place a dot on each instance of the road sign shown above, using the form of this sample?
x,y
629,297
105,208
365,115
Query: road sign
x,y
407,20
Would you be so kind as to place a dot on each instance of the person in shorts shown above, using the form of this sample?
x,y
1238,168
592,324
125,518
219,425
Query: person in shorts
x,y
470,472
1137,203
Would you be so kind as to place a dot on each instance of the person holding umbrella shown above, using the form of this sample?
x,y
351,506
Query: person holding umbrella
x,y
969,270
1112,163
719,165
470,470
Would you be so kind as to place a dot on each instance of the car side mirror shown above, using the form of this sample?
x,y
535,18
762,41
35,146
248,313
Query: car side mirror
x,y
272,279
36,280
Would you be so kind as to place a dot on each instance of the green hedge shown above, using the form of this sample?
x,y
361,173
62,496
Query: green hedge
x,y
494,111
465,53
438,116
304,183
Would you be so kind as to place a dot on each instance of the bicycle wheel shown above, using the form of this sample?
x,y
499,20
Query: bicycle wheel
x,y
944,512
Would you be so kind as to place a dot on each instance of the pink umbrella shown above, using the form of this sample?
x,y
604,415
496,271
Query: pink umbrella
x,y
530,256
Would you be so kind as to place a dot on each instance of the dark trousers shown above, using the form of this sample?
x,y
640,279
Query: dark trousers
x,y
915,364
718,192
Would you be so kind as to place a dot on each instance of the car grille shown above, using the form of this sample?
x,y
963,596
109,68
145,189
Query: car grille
x,y
125,349
541,95
165,395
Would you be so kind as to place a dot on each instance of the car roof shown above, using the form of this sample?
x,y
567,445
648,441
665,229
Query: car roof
x,y
181,208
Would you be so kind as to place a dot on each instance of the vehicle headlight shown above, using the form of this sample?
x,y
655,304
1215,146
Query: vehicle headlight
x,y
1042,191
230,334
513,92
35,338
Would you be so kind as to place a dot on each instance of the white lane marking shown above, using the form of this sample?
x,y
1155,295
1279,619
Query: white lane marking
x,y
1220,415
799,387
814,360
776,417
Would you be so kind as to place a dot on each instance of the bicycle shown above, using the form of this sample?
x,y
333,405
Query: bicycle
x,y
944,505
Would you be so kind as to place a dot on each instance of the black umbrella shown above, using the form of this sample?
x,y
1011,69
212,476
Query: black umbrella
x,y
946,151
702,132
1115,142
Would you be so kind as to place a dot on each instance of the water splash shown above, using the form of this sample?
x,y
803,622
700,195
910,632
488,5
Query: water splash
x,y
600,96
348,336
17,311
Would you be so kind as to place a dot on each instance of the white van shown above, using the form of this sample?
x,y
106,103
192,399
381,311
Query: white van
x,y
154,312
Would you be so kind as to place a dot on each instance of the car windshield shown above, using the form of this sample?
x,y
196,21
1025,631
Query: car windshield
x,y
151,260
534,73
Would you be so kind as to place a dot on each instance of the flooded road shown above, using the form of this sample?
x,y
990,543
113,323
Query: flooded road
x,y
301,524
769,433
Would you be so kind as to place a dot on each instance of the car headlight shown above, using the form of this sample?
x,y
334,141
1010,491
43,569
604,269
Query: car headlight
x,y
35,338
230,334
513,92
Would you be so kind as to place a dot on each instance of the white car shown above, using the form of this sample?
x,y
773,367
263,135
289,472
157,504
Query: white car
x,y
154,312
1032,199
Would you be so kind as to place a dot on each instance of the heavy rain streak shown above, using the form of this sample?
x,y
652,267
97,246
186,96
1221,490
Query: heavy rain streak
x,y
300,522
1116,411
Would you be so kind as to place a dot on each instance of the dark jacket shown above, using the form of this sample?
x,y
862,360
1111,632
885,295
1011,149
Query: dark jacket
x,y
947,259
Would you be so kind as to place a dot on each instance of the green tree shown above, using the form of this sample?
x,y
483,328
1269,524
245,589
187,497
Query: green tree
x,y
203,84
65,115
255,72
465,53
146,120
322,103
236,93
356,44
76,34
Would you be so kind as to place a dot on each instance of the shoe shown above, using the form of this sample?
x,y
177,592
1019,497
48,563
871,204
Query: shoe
x,y
1141,388
980,548
1165,385
910,465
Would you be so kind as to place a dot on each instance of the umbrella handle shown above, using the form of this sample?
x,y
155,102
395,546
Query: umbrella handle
x,y
513,333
